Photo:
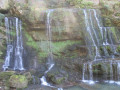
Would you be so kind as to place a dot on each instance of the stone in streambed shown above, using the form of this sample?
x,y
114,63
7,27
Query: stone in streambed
x,y
57,76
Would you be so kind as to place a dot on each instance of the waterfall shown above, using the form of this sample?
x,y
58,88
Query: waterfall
x,y
14,44
106,39
91,73
44,81
111,72
50,62
118,70
113,48
19,47
9,46
83,76
89,30
49,38
50,55
99,36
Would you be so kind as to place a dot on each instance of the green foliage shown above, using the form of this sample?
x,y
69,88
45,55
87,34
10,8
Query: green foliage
x,y
87,5
30,42
1,53
1,18
42,54
75,2
118,48
57,47
114,32
13,33
81,3
60,46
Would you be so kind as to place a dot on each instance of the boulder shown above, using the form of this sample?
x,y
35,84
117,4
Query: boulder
x,y
57,76
28,76
18,81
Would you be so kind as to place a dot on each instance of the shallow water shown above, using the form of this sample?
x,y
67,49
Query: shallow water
x,y
97,86
81,86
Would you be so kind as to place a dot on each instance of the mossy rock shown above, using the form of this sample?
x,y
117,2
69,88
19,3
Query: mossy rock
x,y
28,76
6,75
58,80
107,22
18,81
57,76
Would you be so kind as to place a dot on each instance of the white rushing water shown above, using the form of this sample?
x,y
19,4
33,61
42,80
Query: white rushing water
x,y
44,82
60,88
9,46
19,47
99,36
13,25
84,68
88,28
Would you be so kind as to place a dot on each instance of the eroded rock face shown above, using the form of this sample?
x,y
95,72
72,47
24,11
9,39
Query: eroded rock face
x,y
4,4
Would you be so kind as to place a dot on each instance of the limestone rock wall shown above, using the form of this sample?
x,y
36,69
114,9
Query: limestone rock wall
x,y
4,4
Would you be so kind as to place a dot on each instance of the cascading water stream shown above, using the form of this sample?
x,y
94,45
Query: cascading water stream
x,y
90,33
113,48
50,53
101,38
91,73
9,46
83,76
118,70
50,57
19,47
106,39
111,72
14,40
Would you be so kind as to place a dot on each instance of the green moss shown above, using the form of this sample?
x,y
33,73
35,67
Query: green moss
x,y
114,33
30,42
118,48
18,78
1,18
60,46
81,3
42,54
59,80
57,47
1,60
6,75
13,33
18,81
1,53
108,22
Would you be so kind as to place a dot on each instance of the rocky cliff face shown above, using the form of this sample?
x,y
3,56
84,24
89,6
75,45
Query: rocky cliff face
x,y
67,27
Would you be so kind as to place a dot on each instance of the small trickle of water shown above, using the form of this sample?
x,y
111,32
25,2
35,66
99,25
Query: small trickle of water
x,y
118,71
60,88
91,73
50,67
50,57
43,81
83,77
